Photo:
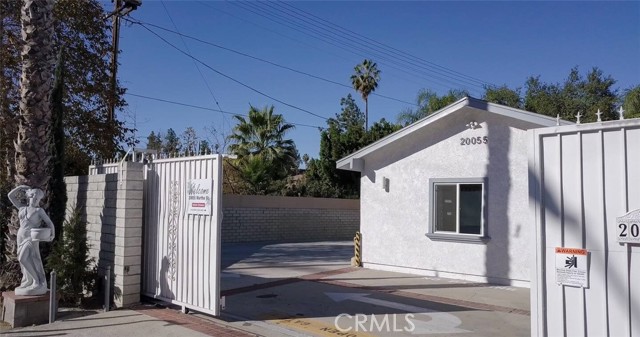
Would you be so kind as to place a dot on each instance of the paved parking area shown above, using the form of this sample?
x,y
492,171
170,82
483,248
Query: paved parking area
x,y
309,289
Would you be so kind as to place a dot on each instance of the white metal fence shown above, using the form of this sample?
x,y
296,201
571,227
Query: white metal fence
x,y
583,177
182,250
103,168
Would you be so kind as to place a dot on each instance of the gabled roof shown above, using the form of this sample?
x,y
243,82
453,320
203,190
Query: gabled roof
x,y
354,161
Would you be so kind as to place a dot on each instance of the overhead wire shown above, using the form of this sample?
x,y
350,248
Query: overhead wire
x,y
331,41
382,45
356,41
189,51
223,74
205,108
206,83
324,50
267,61
365,50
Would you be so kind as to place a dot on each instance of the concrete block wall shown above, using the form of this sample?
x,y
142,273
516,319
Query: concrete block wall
x,y
111,206
128,237
95,197
248,218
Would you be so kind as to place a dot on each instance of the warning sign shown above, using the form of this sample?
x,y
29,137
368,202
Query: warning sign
x,y
571,267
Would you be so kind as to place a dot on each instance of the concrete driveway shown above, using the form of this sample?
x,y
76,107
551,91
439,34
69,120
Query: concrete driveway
x,y
309,289
306,289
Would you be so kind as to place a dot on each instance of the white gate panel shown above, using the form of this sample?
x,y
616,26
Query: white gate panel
x,y
581,178
182,250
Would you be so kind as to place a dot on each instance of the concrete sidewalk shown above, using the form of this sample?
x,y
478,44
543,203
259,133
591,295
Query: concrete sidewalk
x,y
141,320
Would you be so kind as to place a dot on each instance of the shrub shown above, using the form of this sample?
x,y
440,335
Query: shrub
x,y
75,270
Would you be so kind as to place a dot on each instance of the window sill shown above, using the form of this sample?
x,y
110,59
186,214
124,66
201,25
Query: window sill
x,y
458,238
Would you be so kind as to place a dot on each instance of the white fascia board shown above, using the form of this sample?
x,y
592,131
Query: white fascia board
x,y
353,164
345,163
522,115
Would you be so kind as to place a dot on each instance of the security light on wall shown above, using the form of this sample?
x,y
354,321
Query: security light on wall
x,y
385,183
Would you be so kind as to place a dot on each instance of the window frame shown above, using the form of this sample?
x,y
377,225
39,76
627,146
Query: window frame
x,y
433,234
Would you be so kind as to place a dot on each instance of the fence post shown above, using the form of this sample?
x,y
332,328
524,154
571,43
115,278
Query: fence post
x,y
53,304
107,289
357,247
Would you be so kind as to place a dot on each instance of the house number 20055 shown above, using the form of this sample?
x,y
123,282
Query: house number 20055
x,y
474,140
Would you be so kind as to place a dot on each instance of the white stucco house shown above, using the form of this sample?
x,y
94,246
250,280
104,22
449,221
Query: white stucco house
x,y
448,195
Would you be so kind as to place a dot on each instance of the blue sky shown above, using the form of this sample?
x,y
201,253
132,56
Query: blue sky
x,y
458,45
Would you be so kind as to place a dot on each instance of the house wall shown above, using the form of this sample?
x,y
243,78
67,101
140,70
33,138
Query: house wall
x,y
394,223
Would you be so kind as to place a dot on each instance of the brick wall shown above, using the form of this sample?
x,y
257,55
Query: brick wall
x,y
288,219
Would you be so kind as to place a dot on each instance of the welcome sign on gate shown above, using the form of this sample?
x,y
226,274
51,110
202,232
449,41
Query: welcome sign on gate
x,y
199,196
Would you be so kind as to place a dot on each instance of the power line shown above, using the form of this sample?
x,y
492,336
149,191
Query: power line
x,y
188,50
338,42
222,74
356,38
266,61
383,45
205,108
357,41
324,50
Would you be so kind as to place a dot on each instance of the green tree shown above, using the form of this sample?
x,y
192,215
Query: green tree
x,y
503,95
365,81
631,103
190,140
204,147
80,28
381,129
171,144
578,94
154,142
71,261
344,135
263,150
429,102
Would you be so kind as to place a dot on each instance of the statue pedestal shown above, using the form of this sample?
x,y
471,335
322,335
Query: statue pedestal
x,y
21,311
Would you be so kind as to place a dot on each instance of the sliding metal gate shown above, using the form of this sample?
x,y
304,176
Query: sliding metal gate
x,y
181,257
583,180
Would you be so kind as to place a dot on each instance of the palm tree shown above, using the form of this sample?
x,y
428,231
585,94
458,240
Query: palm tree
x,y
365,81
34,122
32,143
261,138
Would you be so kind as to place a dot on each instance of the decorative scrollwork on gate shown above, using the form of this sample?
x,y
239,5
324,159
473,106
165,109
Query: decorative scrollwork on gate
x,y
172,244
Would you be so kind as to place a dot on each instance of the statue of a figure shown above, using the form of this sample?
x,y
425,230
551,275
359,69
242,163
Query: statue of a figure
x,y
27,201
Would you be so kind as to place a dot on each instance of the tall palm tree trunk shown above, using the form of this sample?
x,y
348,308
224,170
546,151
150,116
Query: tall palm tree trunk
x,y
32,143
34,122
366,114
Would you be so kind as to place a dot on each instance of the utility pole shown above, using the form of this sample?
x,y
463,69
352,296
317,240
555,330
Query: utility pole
x,y
115,36
122,7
